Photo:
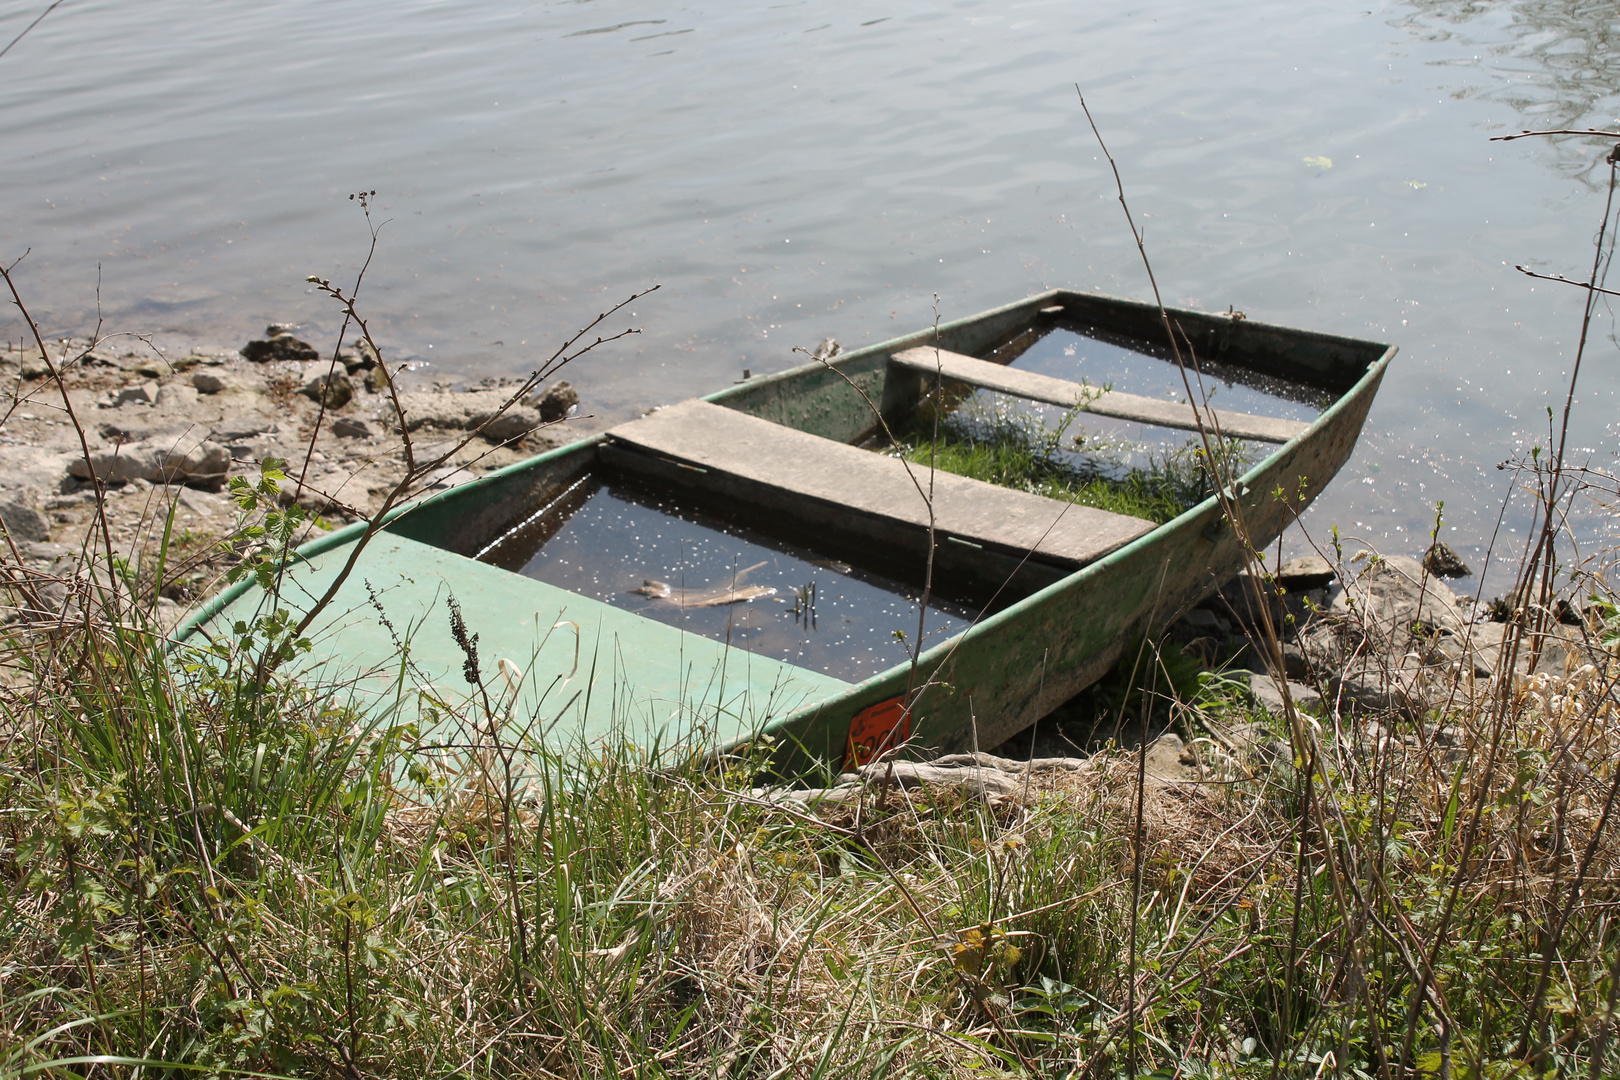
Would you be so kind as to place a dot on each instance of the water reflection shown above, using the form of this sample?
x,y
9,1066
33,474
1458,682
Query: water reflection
x,y
1558,62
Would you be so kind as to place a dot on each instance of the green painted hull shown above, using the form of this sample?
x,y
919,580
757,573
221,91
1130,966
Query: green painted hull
x,y
578,666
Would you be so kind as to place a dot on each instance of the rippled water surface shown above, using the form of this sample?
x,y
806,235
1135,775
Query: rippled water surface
x,y
791,171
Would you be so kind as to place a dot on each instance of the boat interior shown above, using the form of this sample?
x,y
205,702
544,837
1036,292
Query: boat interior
x,y
783,489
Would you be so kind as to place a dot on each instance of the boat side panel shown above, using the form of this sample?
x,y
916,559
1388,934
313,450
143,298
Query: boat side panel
x,y
466,518
1327,360
1018,665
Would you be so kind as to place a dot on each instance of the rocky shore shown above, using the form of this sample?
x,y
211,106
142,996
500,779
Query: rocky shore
x,y
168,428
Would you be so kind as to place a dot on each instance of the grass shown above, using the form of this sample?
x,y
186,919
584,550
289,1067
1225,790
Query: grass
x,y
242,877
1014,448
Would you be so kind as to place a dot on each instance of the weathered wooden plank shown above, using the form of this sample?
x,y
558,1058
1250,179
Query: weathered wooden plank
x,y
1121,406
859,481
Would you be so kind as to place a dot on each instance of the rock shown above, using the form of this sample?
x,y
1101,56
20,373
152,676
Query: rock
x,y
1367,687
362,358
828,349
280,347
149,369
128,431
1268,695
476,408
1305,573
1441,561
447,476
176,396
43,551
236,428
377,379
279,329
1287,609
139,394
1296,664
509,426
35,368
1164,757
24,520
353,427
1394,597
334,391
188,460
1205,620
33,467
560,399
212,382
984,775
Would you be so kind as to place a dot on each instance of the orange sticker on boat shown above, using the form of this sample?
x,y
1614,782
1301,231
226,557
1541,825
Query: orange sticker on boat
x,y
877,729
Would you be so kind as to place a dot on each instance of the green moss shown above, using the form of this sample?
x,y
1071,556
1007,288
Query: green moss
x,y
1016,450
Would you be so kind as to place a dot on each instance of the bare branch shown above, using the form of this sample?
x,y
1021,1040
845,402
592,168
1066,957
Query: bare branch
x,y
1589,286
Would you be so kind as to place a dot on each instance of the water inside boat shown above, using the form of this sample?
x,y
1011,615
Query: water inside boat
x,y
1136,367
723,577
1091,444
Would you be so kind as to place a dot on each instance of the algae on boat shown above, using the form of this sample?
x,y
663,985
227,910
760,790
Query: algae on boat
x,y
1015,448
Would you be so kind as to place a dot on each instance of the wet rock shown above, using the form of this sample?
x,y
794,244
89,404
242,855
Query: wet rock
x,y
334,391
24,520
191,460
282,347
353,427
1441,561
561,398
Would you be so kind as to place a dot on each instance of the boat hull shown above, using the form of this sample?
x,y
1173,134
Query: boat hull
x,y
1012,667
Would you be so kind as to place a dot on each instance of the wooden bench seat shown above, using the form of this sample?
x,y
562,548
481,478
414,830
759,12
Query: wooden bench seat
x,y
1045,388
795,467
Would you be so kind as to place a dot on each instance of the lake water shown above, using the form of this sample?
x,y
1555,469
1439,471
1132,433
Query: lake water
x,y
792,171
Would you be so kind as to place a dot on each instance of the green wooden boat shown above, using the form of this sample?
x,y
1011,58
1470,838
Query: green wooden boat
x,y
738,566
